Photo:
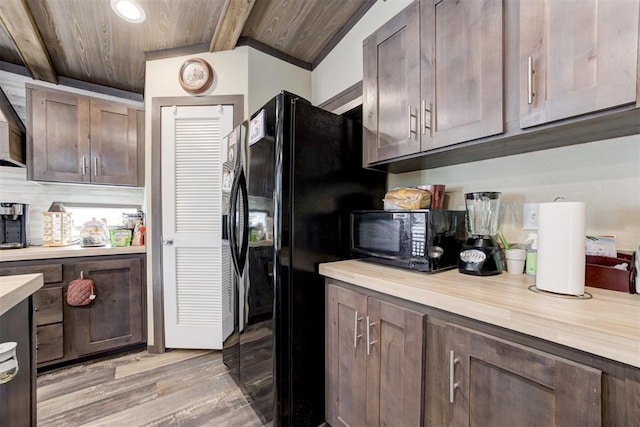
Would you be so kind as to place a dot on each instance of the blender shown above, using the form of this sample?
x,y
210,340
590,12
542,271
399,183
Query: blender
x,y
480,254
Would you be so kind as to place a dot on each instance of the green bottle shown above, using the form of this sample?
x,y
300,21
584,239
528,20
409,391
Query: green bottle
x,y
532,255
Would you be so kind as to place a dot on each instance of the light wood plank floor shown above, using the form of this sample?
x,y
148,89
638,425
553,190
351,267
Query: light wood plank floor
x,y
178,388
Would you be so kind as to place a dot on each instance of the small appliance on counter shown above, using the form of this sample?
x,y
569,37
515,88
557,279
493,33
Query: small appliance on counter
x,y
480,255
14,225
424,240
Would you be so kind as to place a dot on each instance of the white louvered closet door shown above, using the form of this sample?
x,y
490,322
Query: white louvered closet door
x,y
195,306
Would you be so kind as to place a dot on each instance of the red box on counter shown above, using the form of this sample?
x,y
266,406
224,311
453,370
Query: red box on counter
x,y
600,273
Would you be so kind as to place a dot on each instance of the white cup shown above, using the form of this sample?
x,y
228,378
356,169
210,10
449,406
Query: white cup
x,y
515,260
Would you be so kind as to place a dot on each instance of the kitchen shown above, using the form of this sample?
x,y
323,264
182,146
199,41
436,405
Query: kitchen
x,y
604,174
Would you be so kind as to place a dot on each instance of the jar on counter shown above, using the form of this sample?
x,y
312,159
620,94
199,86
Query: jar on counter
x,y
94,233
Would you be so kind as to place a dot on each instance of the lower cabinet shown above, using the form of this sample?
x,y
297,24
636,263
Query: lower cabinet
x,y
116,319
18,395
496,382
374,360
398,363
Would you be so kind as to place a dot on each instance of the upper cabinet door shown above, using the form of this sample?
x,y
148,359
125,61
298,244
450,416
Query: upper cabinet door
x,y
576,57
391,81
114,145
58,132
462,71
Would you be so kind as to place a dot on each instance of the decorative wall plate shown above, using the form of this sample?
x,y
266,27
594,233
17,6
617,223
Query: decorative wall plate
x,y
195,76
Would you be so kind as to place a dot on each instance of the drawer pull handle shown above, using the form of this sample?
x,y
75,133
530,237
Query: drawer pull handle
x,y
452,370
356,336
530,72
411,116
369,342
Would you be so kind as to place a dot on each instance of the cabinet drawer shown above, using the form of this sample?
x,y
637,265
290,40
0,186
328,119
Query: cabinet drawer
x,y
52,273
49,342
47,305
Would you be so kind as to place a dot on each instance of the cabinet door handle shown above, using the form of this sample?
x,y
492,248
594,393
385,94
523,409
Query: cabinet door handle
x,y
411,116
83,165
452,371
426,113
168,242
530,72
369,342
356,320
95,166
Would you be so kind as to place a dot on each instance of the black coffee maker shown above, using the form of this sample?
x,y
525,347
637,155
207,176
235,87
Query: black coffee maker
x,y
14,225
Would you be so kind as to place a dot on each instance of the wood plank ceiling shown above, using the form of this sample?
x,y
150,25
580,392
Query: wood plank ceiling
x,y
83,40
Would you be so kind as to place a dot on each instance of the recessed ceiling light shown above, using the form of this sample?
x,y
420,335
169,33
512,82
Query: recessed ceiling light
x,y
128,10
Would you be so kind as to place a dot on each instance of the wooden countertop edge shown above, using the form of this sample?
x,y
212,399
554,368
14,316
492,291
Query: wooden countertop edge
x,y
579,324
72,251
14,289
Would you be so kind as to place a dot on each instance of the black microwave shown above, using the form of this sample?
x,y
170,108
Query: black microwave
x,y
424,240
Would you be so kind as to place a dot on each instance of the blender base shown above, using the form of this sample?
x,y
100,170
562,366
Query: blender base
x,y
480,256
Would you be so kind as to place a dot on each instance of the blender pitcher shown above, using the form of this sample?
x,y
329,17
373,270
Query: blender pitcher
x,y
480,255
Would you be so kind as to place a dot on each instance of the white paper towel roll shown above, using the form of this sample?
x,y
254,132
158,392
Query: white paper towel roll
x,y
561,255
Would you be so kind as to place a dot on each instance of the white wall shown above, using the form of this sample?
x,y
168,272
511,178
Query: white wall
x,y
342,67
604,174
242,71
268,75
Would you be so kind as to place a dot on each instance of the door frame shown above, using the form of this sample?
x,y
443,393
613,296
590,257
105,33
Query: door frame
x,y
154,262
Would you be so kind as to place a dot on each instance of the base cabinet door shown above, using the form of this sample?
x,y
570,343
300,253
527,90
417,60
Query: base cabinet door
x,y
497,382
18,395
375,354
346,357
395,350
115,318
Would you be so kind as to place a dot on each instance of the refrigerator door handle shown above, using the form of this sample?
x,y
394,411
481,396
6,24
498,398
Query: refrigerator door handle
x,y
239,256
225,227
245,221
232,225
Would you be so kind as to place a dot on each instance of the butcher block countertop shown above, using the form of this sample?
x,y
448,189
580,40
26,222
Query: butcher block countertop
x,y
607,325
49,252
14,289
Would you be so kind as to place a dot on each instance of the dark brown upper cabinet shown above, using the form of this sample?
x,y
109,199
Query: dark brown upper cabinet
x,y
390,95
432,78
576,57
74,138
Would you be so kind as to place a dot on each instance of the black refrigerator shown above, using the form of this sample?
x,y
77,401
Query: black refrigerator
x,y
292,194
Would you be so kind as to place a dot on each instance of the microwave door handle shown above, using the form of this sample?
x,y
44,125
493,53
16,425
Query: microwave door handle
x,y
374,254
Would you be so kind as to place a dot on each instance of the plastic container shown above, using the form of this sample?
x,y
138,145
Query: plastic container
x,y
515,260
120,237
532,255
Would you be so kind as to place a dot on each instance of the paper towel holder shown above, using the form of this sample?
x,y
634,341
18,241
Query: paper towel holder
x,y
534,288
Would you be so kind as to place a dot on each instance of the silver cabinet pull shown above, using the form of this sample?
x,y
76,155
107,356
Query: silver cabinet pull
x,y
452,371
356,320
411,116
426,113
83,165
530,72
95,166
168,242
369,342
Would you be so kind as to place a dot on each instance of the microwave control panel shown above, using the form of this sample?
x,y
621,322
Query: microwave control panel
x,y
418,235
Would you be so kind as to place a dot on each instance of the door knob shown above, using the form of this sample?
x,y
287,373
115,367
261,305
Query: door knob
x,y
168,242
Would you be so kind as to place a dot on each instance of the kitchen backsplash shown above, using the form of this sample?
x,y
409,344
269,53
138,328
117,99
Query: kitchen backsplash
x,y
14,187
603,174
